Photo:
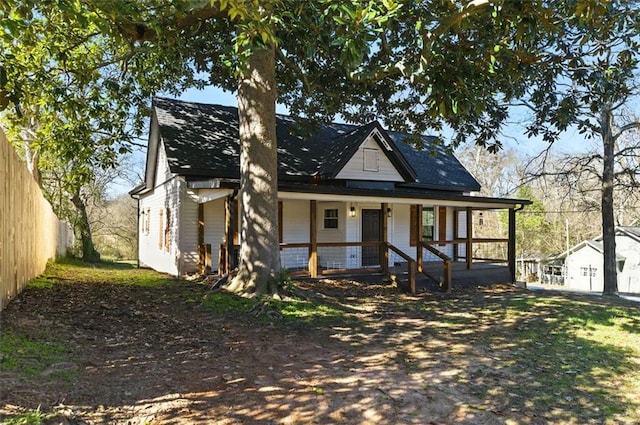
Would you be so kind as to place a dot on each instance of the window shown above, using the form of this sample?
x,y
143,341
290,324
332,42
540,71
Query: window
x,y
588,271
428,223
148,222
331,218
425,224
370,160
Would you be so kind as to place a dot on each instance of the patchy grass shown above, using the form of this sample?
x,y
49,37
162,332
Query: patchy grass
x,y
115,273
27,356
310,313
227,303
29,418
570,359
292,311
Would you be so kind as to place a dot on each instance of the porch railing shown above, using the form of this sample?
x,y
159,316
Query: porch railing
x,y
335,258
412,267
477,250
353,257
446,263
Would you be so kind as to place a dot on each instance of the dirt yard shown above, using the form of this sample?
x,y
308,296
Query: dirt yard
x,y
158,355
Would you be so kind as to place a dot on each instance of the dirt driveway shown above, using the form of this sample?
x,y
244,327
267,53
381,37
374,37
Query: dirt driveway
x,y
159,356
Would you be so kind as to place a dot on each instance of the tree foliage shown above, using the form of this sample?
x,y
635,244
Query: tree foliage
x,y
438,65
414,64
590,79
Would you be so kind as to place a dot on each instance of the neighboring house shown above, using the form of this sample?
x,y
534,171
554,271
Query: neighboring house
x,y
582,265
350,197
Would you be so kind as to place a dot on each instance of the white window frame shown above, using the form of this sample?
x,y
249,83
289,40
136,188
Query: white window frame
x,y
326,217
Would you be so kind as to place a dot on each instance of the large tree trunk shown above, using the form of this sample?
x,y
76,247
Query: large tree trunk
x,y
31,155
608,225
83,227
259,264
32,159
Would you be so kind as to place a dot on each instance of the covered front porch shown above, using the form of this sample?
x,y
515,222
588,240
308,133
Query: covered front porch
x,y
407,240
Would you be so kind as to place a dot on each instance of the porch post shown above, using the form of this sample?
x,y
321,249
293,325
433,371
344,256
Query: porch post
x,y
469,252
229,229
456,231
313,239
384,251
201,260
511,250
419,236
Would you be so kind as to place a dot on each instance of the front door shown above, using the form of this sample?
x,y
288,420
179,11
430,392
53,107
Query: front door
x,y
371,233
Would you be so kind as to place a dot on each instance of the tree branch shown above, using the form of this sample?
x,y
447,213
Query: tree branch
x,y
627,127
295,68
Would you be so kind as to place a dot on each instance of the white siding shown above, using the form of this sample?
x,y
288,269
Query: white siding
x,y
353,233
162,166
295,220
295,229
163,197
355,167
400,223
462,233
214,228
589,259
188,233
629,278
332,257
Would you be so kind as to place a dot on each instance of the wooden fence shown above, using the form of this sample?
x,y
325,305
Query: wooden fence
x,y
30,233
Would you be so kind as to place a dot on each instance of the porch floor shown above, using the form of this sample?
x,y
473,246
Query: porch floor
x,y
481,274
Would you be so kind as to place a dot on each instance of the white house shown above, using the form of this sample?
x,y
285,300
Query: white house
x,y
582,264
350,197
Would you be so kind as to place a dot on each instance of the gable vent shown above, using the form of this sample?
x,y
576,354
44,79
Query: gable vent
x,y
381,140
371,160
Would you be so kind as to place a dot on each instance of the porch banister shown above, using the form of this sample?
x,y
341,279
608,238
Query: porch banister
x,y
411,266
446,264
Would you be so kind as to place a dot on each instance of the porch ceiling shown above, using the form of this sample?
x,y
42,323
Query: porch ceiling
x,y
202,196
395,198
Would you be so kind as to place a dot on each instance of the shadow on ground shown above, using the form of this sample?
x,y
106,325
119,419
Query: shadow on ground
x,y
157,354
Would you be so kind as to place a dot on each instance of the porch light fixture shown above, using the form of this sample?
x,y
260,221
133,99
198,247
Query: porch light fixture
x,y
389,212
352,211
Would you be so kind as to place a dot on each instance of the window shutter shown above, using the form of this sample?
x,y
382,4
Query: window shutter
x,y
167,231
160,229
442,224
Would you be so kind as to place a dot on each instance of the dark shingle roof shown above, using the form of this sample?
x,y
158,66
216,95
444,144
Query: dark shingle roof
x,y
201,140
